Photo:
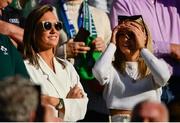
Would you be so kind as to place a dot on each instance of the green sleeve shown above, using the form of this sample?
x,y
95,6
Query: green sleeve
x,y
19,65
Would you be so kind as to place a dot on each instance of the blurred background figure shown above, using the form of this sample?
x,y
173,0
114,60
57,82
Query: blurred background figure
x,y
77,14
19,100
60,82
105,5
174,110
150,111
26,6
11,62
10,14
129,70
11,22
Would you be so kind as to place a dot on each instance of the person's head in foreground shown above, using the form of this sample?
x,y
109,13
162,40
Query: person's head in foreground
x,y
150,111
19,100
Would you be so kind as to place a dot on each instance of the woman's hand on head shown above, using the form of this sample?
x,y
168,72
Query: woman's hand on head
x,y
175,51
139,33
114,33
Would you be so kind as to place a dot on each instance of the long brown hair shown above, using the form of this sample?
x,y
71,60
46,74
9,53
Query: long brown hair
x,y
31,31
119,62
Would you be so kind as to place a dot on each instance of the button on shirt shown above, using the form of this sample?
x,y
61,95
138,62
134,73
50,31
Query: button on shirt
x,y
162,18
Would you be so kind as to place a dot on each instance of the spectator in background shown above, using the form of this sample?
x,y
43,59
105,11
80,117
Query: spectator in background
x,y
10,14
60,83
19,100
11,21
88,51
101,4
162,18
11,62
135,74
26,6
174,110
19,4
150,111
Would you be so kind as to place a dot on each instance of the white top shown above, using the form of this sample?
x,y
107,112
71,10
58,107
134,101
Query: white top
x,y
125,91
58,85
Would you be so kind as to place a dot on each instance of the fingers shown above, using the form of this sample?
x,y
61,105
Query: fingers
x,y
138,32
99,44
75,48
79,47
75,92
175,51
134,27
114,32
78,91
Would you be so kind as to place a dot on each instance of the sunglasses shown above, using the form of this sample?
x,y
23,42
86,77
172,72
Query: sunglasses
x,y
48,25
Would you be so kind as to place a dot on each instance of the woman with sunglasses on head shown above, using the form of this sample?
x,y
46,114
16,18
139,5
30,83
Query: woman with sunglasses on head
x,y
135,74
60,83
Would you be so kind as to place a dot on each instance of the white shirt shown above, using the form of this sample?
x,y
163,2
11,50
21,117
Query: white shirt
x,y
124,91
58,85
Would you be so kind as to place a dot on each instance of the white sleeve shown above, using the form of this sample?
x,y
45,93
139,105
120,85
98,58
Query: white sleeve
x,y
75,109
103,69
159,68
105,72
